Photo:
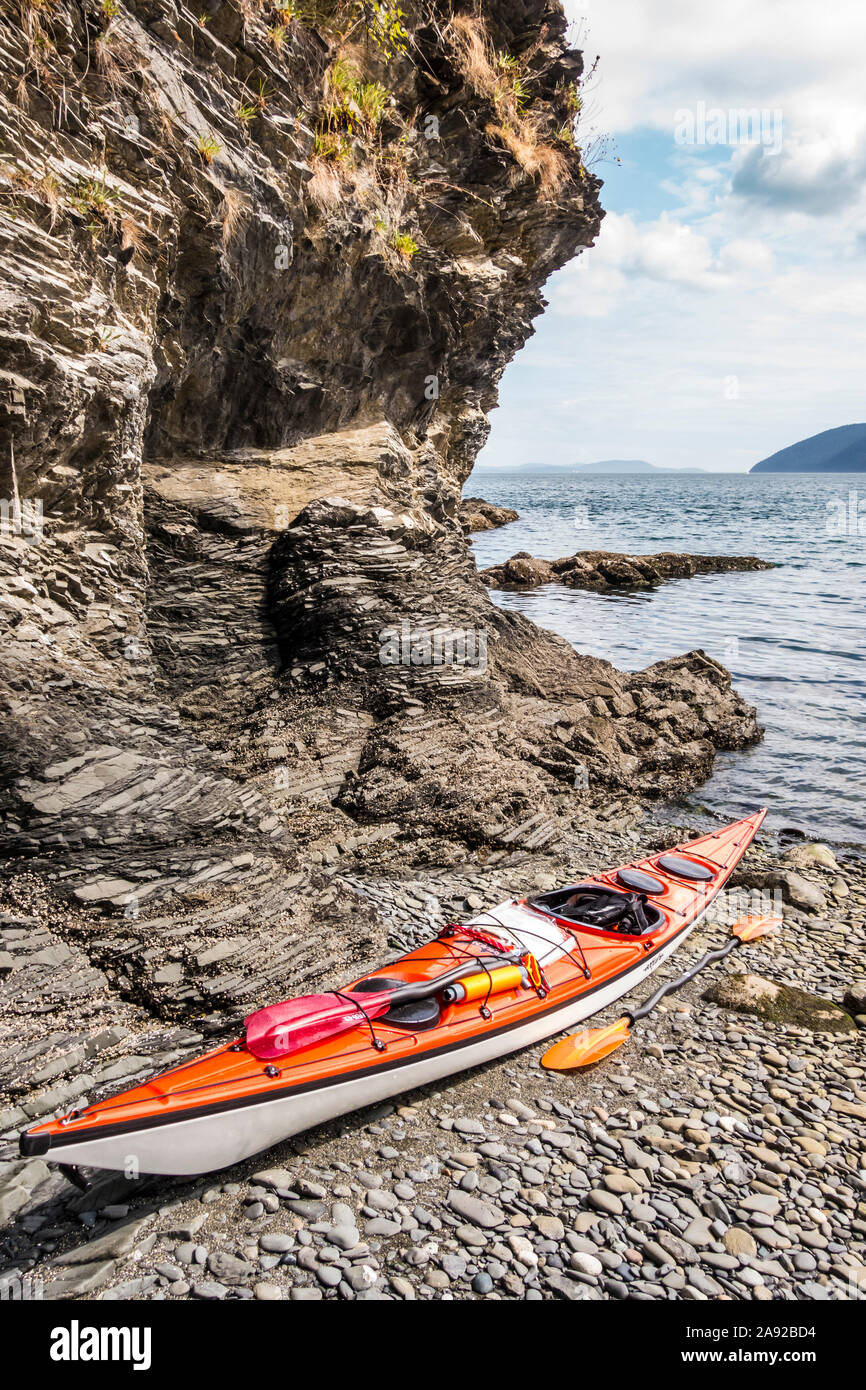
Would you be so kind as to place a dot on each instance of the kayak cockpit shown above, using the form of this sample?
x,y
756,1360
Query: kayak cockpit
x,y
602,908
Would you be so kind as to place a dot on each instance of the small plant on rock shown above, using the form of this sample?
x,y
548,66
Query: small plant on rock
x,y
105,338
351,103
97,199
263,96
405,244
383,24
208,147
330,145
371,99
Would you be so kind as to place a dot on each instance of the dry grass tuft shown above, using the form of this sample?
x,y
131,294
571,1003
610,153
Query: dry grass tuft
x,y
115,56
474,54
543,162
107,64
48,189
45,188
35,19
326,188
233,212
501,80
131,236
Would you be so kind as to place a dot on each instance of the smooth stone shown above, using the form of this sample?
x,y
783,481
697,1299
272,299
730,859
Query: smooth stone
x,y
381,1226
228,1267
473,1209
209,1290
550,1227
276,1244
383,1201
274,1177
605,1201
761,1202
344,1237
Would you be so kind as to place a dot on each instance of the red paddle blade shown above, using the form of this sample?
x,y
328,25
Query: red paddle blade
x,y
590,1045
274,1032
752,928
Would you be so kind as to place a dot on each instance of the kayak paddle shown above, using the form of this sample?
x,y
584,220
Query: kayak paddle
x,y
591,1044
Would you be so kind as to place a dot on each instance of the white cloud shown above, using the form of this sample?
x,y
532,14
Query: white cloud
x,y
660,56
666,251
748,255
732,323
817,176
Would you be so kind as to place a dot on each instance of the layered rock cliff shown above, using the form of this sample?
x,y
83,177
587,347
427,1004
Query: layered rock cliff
x,y
263,267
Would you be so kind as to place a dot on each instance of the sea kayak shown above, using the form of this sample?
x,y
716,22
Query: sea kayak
x,y
512,976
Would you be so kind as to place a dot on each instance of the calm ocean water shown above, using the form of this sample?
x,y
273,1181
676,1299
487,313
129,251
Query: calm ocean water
x,y
793,637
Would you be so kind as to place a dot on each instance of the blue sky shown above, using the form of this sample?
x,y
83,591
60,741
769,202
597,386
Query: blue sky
x,y
721,314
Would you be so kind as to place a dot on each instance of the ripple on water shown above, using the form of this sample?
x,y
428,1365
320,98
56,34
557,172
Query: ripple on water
x,y
793,637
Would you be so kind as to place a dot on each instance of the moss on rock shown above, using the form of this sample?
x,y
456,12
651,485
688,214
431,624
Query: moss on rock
x,y
751,994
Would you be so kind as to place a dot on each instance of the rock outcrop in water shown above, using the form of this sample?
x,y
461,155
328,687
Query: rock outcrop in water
x,y
478,515
604,571
262,276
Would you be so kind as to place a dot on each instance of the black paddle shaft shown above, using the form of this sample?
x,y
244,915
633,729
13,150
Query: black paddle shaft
x,y
709,959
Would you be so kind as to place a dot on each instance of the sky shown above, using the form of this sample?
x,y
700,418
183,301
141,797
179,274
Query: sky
x,y
721,314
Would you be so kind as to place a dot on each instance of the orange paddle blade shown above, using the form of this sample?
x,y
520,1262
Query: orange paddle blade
x,y
751,928
580,1049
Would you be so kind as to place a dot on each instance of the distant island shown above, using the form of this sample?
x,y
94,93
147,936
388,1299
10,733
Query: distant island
x,y
841,450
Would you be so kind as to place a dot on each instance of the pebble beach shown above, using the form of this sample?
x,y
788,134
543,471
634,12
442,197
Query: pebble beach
x,y
718,1155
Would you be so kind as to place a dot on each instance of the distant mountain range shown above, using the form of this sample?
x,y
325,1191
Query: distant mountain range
x,y
603,466
842,450
628,466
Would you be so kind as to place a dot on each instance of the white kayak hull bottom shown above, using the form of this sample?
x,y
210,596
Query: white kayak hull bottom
x,y
206,1143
